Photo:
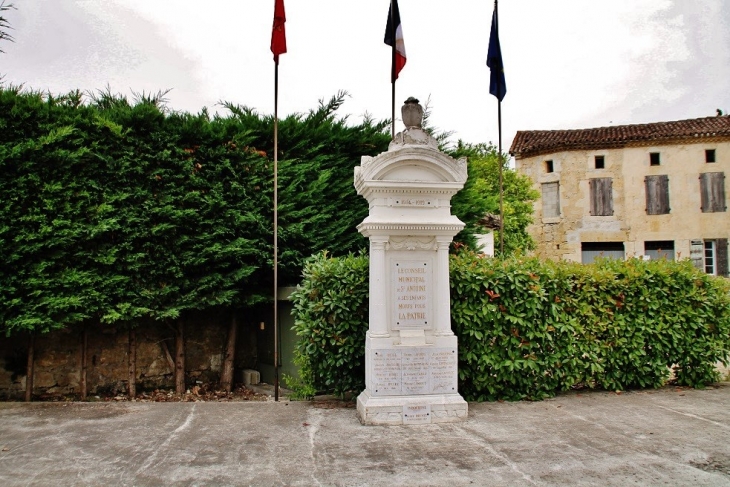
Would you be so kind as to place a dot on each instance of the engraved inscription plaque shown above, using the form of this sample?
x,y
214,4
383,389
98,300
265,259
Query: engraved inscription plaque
x,y
386,368
412,294
417,414
443,365
415,371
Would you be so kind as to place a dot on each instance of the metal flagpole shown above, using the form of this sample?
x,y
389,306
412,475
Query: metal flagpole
x,y
276,230
501,186
393,28
499,148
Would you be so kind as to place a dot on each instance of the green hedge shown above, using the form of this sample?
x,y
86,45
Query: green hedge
x,y
529,329
331,309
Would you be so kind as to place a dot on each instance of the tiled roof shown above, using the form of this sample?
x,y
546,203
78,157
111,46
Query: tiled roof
x,y
534,142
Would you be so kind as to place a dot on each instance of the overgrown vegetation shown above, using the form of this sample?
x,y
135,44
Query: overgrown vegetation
x,y
529,329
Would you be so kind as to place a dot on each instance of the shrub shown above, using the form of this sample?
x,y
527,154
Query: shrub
x,y
529,329
331,319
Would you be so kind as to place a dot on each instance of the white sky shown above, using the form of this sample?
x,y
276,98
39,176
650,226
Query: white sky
x,y
568,63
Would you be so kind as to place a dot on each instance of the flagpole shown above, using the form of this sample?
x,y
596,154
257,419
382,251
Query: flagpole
x,y
499,148
276,229
501,186
393,28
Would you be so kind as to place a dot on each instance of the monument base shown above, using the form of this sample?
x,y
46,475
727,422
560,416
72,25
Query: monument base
x,y
422,409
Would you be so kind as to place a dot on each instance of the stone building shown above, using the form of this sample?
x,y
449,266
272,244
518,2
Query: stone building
x,y
654,190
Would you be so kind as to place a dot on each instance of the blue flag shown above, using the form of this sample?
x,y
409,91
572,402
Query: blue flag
x,y
497,84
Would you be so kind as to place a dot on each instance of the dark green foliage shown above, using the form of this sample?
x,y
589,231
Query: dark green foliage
x,y
117,211
318,206
480,197
529,329
331,310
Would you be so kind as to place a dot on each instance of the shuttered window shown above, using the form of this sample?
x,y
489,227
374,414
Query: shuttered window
x,y
601,190
712,190
710,255
657,195
550,200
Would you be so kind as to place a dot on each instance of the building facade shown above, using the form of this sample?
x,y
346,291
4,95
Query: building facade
x,y
652,190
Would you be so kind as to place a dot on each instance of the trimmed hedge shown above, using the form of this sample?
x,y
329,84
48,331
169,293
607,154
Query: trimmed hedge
x,y
529,329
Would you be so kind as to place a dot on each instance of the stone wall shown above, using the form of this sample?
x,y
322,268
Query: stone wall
x,y
58,357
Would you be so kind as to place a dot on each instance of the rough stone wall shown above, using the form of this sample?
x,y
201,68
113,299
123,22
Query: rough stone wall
x,y
58,357
560,238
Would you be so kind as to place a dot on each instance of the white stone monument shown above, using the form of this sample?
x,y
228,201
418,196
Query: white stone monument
x,y
411,354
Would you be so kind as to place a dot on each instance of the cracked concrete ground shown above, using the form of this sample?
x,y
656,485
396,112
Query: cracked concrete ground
x,y
670,437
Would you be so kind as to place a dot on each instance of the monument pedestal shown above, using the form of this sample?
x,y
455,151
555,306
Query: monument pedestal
x,y
411,354
411,384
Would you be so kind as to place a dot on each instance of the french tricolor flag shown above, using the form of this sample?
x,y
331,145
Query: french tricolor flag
x,y
394,38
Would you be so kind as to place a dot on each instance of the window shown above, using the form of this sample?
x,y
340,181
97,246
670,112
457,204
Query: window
x,y
710,255
654,158
601,190
550,200
710,155
548,166
712,192
590,251
600,162
657,195
656,250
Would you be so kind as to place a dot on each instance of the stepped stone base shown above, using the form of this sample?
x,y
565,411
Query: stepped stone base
x,y
422,409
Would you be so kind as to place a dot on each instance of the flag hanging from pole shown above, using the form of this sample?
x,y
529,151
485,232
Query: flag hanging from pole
x,y
394,38
497,84
278,33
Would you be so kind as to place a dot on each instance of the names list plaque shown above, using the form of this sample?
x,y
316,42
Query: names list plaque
x,y
413,371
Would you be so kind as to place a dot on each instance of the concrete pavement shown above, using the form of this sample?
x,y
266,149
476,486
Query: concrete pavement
x,y
670,437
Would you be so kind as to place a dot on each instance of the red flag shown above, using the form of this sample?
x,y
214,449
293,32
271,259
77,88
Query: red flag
x,y
278,34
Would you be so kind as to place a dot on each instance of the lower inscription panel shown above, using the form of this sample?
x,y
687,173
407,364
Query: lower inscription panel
x,y
413,371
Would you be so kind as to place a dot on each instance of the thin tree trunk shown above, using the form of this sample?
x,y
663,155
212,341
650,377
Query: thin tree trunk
x,y
29,369
168,357
179,360
84,363
227,373
132,384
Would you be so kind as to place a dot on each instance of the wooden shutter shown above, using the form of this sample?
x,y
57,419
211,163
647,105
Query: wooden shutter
x,y
712,191
657,195
697,253
721,257
601,190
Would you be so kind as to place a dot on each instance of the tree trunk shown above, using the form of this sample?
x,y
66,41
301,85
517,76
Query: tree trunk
x,y
168,357
227,372
132,383
179,359
29,369
84,363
